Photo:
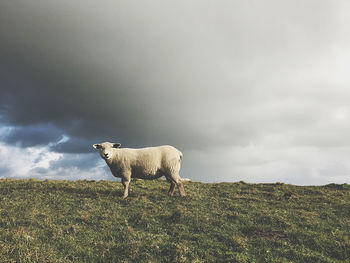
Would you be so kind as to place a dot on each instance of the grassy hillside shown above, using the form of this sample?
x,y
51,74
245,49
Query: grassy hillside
x,y
87,221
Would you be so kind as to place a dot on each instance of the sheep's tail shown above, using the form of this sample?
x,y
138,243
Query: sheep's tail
x,y
185,180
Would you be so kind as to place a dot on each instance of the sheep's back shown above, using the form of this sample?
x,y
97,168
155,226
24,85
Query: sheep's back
x,y
151,161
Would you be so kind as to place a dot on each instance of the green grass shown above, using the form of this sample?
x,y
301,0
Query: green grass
x,y
87,221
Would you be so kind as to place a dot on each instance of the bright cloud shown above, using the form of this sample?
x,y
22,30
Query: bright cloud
x,y
42,163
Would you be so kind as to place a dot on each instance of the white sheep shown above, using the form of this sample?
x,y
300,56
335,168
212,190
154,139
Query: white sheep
x,y
144,163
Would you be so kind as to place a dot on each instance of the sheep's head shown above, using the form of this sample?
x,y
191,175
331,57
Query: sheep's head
x,y
106,149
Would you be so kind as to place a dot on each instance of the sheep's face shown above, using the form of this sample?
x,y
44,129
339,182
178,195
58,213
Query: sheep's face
x,y
106,149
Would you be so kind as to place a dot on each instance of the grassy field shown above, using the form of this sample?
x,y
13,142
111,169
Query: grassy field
x,y
87,221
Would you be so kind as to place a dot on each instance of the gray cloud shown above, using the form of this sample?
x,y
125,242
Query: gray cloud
x,y
26,136
196,74
4,172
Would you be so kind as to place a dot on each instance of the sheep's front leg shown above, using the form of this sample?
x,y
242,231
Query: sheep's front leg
x,y
125,181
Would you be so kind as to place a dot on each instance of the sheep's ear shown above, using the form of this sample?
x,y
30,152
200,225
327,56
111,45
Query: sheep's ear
x,y
116,145
97,146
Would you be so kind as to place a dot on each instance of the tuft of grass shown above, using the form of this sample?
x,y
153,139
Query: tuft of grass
x,y
87,221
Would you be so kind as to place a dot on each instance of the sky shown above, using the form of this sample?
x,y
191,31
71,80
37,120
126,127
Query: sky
x,y
248,90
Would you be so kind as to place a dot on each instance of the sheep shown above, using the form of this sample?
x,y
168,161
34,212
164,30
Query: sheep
x,y
144,163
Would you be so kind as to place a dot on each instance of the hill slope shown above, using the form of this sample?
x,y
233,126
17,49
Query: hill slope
x,y
87,221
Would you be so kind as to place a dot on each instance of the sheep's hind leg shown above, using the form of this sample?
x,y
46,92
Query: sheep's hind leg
x,y
172,188
172,185
176,178
181,188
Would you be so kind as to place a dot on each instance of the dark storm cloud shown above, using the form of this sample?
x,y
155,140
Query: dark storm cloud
x,y
54,70
74,145
26,136
83,162
168,75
